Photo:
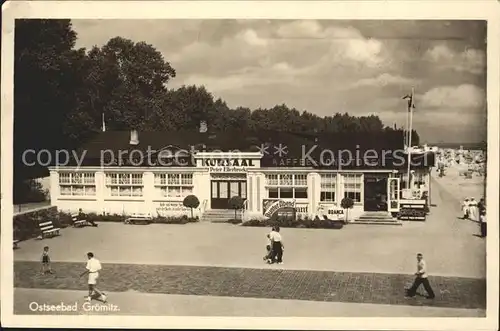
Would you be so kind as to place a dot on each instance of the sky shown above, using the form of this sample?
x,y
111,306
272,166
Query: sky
x,y
327,66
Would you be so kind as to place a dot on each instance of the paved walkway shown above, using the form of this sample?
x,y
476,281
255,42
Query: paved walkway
x,y
448,244
360,264
132,303
259,283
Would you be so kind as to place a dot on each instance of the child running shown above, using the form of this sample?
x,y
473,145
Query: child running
x,y
46,269
269,253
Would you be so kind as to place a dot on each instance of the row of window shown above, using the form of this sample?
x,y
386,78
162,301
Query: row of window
x,y
126,184
294,186
280,186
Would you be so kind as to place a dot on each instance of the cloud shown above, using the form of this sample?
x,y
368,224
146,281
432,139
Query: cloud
x,y
383,80
470,60
345,43
454,97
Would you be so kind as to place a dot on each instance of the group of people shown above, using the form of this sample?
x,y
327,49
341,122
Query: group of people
x,y
475,211
91,269
274,246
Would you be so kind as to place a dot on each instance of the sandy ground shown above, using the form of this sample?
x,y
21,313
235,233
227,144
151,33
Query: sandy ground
x,y
460,187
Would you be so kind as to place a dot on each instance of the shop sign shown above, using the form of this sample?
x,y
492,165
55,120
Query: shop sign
x,y
270,207
228,165
166,208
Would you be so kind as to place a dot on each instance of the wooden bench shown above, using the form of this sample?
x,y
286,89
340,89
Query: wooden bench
x,y
143,219
48,229
79,223
15,243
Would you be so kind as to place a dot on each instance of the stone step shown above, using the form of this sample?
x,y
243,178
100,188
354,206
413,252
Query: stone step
x,y
377,217
377,222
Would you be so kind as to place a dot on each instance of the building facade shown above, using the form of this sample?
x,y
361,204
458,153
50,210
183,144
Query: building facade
x,y
215,176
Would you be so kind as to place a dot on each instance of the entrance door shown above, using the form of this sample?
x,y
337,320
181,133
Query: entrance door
x,y
223,190
393,191
375,197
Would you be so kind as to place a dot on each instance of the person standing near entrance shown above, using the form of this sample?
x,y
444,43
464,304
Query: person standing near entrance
x,y
421,278
276,245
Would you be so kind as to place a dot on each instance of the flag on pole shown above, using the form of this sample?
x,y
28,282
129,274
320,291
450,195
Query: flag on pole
x,y
411,103
103,124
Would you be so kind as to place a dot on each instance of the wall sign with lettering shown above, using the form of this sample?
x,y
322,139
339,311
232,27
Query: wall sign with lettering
x,y
228,165
270,207
171,207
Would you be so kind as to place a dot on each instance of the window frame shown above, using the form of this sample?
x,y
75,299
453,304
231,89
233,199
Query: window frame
x,y
328,187
120,181
353,192
83,183
185,183
286,181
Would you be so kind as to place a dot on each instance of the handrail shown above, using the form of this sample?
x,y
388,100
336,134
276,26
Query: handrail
x,y
204,205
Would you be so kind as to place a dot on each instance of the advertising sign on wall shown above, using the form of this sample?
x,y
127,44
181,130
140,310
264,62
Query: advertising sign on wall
x,y
228,165
168,208
270,207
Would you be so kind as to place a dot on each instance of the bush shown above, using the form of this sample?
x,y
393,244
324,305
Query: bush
x,y
306,222
347,203
236,203
234,221
174,220
191,201
27,226
29,191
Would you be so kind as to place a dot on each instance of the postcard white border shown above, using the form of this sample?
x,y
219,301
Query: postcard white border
x,y
484,10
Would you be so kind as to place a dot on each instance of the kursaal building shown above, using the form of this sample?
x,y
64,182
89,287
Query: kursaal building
x,y
152,172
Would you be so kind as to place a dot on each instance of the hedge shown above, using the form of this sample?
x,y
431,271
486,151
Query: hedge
x,y
26,226
316,223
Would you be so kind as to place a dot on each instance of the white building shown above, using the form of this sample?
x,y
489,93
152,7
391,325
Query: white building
x,y
263,180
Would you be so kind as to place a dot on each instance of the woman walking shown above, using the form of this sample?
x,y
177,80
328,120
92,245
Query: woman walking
x,y
276,245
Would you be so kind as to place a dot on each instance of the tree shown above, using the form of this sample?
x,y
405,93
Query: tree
x,y
236,203
346,204
47,76
191,201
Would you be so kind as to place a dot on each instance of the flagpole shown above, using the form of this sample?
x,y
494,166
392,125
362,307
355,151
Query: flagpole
x,y
406,128
410,130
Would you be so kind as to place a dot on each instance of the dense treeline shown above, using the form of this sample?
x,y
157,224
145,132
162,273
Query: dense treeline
x,y
61,93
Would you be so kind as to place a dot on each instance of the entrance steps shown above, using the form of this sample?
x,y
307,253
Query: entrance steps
x,y
377,218
219,215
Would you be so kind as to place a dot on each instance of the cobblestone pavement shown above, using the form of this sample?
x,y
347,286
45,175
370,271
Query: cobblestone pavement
x,y
377,288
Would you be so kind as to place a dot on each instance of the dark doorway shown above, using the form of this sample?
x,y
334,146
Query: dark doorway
x,y
223,190
375,187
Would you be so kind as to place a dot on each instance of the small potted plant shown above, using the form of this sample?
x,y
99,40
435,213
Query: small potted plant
x,y
192,202
346,204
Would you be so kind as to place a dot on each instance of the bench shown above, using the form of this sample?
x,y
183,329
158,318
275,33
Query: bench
x,y
79,223
15,243
143,219
48,229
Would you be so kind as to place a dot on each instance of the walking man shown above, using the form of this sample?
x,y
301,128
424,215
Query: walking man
x,y
93,267
421,278
276,245
483,224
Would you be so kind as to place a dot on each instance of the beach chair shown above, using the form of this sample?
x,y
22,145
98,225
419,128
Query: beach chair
x,y
48,229
79,223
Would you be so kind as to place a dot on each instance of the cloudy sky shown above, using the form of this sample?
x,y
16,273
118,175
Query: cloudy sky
x,y
359,67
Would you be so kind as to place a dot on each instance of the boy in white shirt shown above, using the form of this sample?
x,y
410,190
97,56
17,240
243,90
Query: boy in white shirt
x,y
93,267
